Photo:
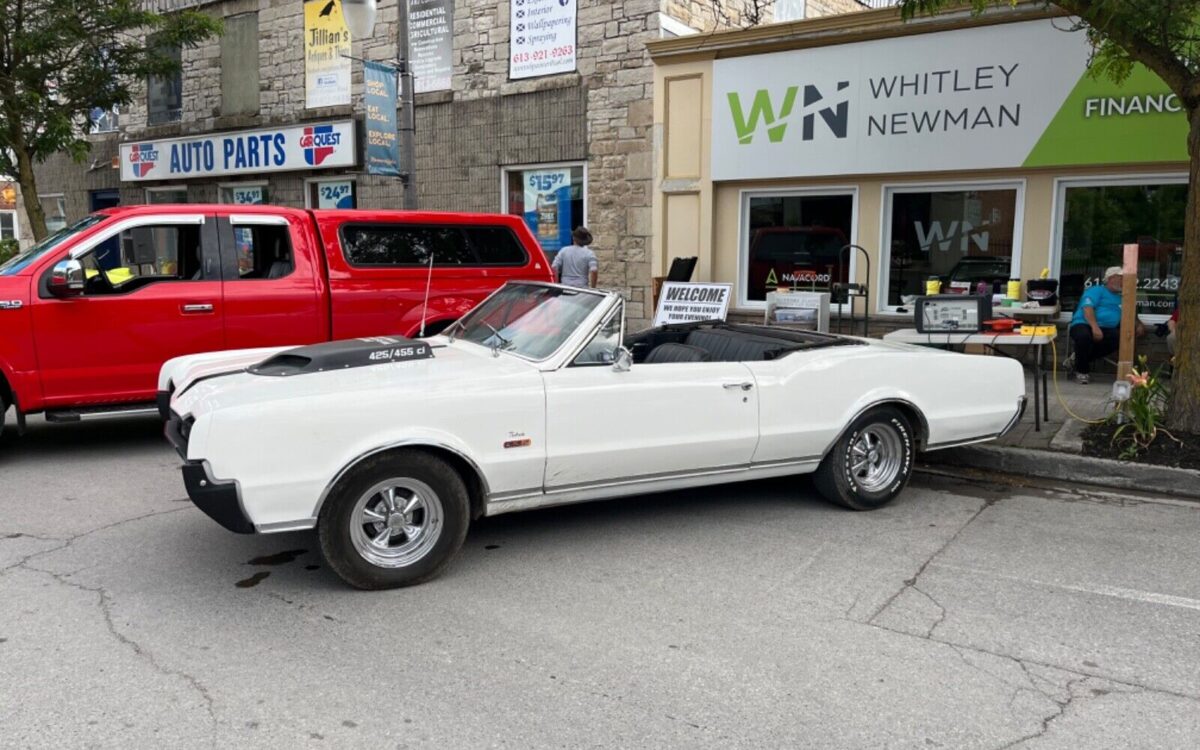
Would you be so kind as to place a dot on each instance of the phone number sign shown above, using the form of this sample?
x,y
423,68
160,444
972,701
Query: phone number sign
x,y
542,34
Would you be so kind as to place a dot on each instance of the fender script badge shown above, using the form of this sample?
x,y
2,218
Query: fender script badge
x,y
11,304
518,443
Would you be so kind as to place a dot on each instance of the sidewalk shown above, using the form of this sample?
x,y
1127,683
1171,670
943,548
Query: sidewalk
x,y
1089,401
1055,452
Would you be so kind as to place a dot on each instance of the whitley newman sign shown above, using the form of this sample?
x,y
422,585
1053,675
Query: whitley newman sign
x,y
313,146
1008,95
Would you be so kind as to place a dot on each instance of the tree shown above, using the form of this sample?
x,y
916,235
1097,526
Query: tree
x,y
1162,35
60,59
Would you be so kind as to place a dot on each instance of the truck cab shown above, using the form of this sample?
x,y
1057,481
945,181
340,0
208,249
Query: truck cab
x,y
92,312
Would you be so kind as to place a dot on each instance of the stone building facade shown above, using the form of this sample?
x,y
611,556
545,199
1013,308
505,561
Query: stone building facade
x,y
470,140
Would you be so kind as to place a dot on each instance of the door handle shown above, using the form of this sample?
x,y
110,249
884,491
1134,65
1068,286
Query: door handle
x,y
198,307
743,386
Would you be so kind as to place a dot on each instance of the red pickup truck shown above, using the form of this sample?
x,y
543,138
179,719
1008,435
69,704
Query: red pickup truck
x,y
90,314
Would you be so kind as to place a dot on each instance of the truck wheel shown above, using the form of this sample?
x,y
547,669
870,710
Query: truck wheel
x,y
870,464
396,520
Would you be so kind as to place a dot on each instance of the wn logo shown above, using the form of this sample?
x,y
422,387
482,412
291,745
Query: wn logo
x,y
961,233
318,143
143,157
836,117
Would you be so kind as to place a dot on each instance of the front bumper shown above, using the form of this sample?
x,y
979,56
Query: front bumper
x,y
220,501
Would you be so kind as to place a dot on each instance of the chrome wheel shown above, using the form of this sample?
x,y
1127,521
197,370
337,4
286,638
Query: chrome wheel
x,y
876,457
396,522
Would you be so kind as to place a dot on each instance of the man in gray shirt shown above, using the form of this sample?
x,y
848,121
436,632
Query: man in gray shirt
x,y
575,265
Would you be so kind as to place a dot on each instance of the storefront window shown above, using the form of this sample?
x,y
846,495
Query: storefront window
x,y
167,195
796,241
1099,220
54,208
961,237
244,194
332,194
8,225
550,198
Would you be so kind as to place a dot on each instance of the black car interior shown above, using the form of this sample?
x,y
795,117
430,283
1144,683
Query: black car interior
x,y
723,342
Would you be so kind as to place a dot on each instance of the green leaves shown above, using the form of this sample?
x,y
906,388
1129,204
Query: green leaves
x,y
59,59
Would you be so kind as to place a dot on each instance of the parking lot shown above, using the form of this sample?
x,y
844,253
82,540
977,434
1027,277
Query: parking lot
x,y
965,615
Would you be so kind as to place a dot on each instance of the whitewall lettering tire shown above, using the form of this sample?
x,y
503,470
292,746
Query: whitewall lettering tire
x,y
870,463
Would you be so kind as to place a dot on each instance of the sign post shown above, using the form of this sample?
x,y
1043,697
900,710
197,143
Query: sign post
x,y
1128,311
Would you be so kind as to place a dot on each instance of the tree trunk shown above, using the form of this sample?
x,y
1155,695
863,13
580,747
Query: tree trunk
x,y
33,205
1185,385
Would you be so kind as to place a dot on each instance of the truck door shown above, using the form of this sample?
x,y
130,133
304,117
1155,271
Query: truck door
x,y
153,292
273,289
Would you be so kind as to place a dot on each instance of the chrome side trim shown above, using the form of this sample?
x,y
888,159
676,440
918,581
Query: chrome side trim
x,y
259,219
487,492
959,443
588,492
281,526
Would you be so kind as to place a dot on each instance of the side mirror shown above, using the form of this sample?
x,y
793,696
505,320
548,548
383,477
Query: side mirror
x,y
66,279
623,360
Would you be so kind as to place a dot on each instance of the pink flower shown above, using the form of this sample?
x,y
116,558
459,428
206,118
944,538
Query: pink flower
x,y
1139,379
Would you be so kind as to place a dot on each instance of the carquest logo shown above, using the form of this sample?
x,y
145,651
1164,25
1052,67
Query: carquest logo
x,y
142,157
318,143
836,116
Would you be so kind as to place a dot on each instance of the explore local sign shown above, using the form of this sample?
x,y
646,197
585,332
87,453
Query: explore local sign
x,y
311,146
681,302
1000,96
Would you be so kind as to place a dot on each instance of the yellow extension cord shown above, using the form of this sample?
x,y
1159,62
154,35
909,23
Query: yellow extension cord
x,y
1058,393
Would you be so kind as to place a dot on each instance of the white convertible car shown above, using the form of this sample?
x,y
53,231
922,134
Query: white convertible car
x,y
389,447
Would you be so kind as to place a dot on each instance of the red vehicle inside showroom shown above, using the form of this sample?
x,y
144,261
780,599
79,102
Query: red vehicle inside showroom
x,y
90,314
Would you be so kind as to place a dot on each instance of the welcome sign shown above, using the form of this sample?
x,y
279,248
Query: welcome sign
x,y
1000,96
311,146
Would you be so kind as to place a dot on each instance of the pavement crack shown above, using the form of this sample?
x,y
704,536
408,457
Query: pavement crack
x,y
912,582
68,541
105,603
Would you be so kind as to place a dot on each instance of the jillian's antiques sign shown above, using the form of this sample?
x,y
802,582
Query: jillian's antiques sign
x,y
326,55
680,302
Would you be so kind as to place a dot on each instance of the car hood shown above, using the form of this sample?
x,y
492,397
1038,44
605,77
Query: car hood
x,y
453,366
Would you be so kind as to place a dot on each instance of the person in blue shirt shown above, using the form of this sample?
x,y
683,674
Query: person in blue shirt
x,y
1096,325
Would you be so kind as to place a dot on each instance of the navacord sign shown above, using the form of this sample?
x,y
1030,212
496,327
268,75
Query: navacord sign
x,y
1000,96
310,146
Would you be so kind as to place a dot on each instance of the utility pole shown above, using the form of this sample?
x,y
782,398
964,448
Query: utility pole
x,y
360,19
408,126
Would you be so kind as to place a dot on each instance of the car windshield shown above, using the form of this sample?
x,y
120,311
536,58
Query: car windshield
x,y
21,261
528,320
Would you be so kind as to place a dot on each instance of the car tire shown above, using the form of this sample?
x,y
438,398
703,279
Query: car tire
x,y
376,539
870,463
3,413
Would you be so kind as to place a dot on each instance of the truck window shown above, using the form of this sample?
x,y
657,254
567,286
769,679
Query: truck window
x,y
414,244
144,255
263,251
497,246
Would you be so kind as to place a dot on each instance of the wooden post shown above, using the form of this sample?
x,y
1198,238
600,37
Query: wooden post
x,y
1128,312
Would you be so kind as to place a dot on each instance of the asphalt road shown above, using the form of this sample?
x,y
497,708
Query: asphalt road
x,y
754,615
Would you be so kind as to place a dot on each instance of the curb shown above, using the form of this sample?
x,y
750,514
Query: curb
x,y
1070,468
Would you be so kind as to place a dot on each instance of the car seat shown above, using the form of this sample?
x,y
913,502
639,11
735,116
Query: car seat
x,y
281,265
676,353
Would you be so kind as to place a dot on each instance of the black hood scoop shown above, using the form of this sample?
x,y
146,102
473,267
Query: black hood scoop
x,y
342,355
